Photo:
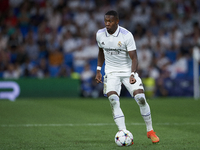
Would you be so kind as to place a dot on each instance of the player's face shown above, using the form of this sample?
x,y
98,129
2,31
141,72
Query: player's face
x,y
111,23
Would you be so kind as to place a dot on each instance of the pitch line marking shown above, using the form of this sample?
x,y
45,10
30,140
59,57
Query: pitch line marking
x,y
94,124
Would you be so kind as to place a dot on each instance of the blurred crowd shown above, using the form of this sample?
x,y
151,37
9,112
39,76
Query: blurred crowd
x,y
56,38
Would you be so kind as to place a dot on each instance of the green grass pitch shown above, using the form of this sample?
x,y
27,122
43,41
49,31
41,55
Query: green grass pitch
x,y
87,124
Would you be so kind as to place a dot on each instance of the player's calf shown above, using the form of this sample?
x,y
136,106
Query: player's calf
x,y
117,112
144,110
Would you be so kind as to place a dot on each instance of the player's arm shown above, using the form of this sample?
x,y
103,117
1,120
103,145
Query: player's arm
x,y
100,62
133,56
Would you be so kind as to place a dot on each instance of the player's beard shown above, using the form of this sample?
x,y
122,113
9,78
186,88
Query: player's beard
x,y
111,30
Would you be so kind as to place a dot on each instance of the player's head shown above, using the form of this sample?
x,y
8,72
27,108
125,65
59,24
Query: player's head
x,y
111,21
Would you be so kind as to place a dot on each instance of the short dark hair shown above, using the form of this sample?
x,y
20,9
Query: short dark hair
x,y
113,13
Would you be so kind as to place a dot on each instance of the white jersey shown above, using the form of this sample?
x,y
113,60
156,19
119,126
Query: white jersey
x,y
115,48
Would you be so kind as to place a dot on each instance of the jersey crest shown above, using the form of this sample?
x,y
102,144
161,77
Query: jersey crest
x,y
119,44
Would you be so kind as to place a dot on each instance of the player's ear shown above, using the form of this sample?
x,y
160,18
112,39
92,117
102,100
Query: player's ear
x,y
117,21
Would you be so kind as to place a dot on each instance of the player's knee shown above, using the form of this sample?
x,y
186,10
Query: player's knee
x,y
140,99
112,93
114,99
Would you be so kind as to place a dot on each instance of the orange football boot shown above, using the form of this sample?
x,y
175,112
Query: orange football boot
x,y
152,135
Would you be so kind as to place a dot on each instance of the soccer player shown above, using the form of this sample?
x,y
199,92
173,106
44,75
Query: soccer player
x,y
117,48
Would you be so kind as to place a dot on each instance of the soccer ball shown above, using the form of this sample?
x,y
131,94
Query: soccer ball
x,y
124,138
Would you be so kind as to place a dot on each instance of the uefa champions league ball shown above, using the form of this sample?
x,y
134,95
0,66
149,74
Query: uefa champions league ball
x,y
124,138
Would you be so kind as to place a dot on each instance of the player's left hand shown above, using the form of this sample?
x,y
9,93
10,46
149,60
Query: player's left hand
x,y
132,79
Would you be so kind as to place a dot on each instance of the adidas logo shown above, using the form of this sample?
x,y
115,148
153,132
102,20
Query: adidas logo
x,y
103,43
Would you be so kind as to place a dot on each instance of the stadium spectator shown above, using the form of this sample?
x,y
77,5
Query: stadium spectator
x,y
53,41
42,45
26,67
80,59
64,71
55,58
3,41
69,43
43,66
87,77
21,55
36,72
91,49
11,19
54,20
144,58
15,39
32,49
24,16
37,16
11,72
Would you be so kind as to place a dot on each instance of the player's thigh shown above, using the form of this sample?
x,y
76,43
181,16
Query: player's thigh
x,y
112,83
132,87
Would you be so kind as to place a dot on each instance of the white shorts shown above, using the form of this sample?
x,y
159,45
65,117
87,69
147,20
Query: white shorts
x,y
113,82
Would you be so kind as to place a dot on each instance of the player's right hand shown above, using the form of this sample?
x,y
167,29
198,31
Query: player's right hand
x,y
132,79
98,77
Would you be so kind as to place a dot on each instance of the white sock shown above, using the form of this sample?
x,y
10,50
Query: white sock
x,y
144,110
117,112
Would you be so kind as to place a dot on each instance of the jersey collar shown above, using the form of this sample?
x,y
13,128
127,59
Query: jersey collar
x,y
114,34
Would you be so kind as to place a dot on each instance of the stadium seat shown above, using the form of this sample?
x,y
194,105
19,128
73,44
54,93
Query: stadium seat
x,y
34,29
24,31
179,86
93,64
181,75
171,55
190,68
1,74
13,57
53,70
68,58
79,69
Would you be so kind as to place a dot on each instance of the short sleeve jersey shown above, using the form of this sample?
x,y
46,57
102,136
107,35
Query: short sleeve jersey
x,y
115,48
